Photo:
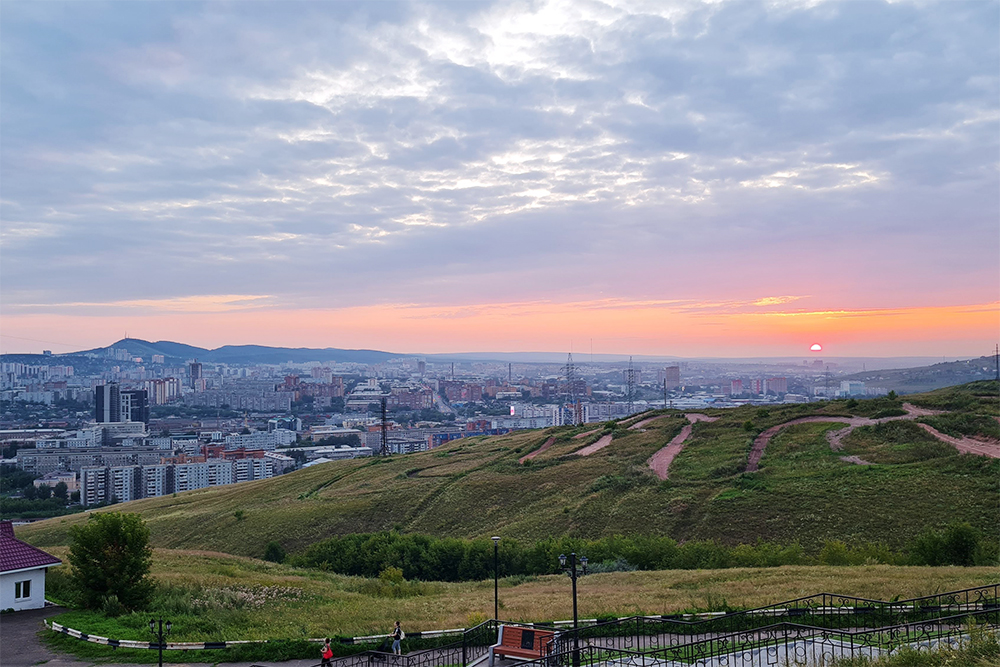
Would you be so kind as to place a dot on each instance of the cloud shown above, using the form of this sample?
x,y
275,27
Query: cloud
x,y
345,154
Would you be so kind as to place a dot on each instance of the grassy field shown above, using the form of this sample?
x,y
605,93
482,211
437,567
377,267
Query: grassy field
x,y
244,598
802,493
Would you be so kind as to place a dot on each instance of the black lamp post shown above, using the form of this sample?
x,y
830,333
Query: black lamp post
x,y
160,630
496,578
573,573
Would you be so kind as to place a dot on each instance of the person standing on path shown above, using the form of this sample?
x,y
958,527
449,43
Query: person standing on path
x,y
397,636
327,653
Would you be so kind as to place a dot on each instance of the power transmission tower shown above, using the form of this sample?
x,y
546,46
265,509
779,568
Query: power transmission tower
x,y
630,383
569,371
384,451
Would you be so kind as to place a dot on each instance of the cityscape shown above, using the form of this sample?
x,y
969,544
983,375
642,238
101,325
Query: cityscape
x,y
505,333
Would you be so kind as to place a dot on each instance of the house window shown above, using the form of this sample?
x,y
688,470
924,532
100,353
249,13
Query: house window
x,y
22,589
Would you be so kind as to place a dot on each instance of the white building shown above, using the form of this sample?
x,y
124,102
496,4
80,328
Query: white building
x,y
190,476
22,571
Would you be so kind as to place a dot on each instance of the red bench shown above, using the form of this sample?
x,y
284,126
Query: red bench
x,y
518,642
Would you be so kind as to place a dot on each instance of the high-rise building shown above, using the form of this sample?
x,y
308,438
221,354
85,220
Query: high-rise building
x,y
671,375
107,403
135,406
194,371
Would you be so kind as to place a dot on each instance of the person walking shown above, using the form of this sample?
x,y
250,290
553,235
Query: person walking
x,y
397,635
327,653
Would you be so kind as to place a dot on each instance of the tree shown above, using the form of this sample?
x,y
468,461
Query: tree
x,y
61,491
43,492
111,556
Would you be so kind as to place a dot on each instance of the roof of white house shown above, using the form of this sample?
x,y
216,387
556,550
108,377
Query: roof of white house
x,y
16,555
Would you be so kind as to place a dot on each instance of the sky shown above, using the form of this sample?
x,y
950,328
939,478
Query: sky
x,y
663,178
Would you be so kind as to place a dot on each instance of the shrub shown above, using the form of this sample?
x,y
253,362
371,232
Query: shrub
x,y
274,552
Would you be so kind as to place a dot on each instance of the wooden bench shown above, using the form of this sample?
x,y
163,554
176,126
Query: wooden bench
x,y
516,642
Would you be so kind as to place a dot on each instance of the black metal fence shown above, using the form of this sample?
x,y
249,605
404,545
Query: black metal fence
x,y
472,646
824,611
781,644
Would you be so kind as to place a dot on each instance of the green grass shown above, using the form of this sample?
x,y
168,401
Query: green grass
x,y
803,493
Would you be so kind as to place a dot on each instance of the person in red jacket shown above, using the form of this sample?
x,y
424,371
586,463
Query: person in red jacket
x,y
327,652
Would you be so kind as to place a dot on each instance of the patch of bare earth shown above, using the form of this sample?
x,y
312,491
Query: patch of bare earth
x,y
597,446
855,459
585,434
531,455
660,462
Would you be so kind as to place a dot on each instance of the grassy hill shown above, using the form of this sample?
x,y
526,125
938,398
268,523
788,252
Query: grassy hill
x,y
475,487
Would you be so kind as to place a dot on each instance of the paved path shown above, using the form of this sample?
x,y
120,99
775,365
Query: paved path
x,y
531,455
965,445
661,460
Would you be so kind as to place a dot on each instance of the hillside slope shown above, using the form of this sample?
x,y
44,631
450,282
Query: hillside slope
x,y
804,491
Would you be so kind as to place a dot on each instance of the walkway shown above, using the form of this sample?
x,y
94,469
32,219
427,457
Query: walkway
x,y
661,460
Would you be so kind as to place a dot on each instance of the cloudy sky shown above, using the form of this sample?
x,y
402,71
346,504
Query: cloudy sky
x,y
720,178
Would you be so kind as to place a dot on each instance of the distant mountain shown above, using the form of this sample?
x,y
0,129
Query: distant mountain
x,y
241,354
928,378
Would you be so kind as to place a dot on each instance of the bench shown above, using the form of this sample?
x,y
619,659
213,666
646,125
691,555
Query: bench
x,y
516,642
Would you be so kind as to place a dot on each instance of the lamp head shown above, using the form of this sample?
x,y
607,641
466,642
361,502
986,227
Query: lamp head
x,y
495,538
152,625
562,561
583,561
168,627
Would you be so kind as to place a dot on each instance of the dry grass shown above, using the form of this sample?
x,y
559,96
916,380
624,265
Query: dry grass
x,y
333,604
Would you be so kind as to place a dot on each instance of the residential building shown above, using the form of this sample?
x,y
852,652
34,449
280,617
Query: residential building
x,y
22,572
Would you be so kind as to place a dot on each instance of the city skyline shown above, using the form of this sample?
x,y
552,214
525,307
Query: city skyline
x,y
689,179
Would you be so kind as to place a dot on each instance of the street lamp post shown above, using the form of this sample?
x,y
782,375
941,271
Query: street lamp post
x,y
574,573
160,630
496,578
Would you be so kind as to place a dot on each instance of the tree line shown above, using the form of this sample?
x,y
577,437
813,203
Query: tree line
x,y
430,558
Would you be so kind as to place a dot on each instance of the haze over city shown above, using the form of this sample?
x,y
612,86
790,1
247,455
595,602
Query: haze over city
x,y
692,179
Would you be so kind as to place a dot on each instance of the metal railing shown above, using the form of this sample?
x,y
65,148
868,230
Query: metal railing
x,y
782,644
824,610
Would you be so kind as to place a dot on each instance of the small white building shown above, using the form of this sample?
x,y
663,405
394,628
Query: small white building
x,y
22,571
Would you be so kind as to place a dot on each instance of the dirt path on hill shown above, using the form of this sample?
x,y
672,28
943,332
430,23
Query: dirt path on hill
x,y
636,426
597,446
836,438
531,455
661,460
585,434
967,445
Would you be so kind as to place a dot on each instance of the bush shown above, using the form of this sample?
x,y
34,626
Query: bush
x,y
274,552
958,544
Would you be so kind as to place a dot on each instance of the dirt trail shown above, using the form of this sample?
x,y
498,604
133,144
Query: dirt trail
x,y
531,455
836,438
966,445
585,434
661,460
636,426
597,446
855,459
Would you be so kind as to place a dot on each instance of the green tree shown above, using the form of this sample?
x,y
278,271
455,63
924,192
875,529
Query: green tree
x,y
44,492
111,556
61,491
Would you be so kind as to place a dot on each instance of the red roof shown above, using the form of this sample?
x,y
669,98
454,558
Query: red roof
x,y
18,555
